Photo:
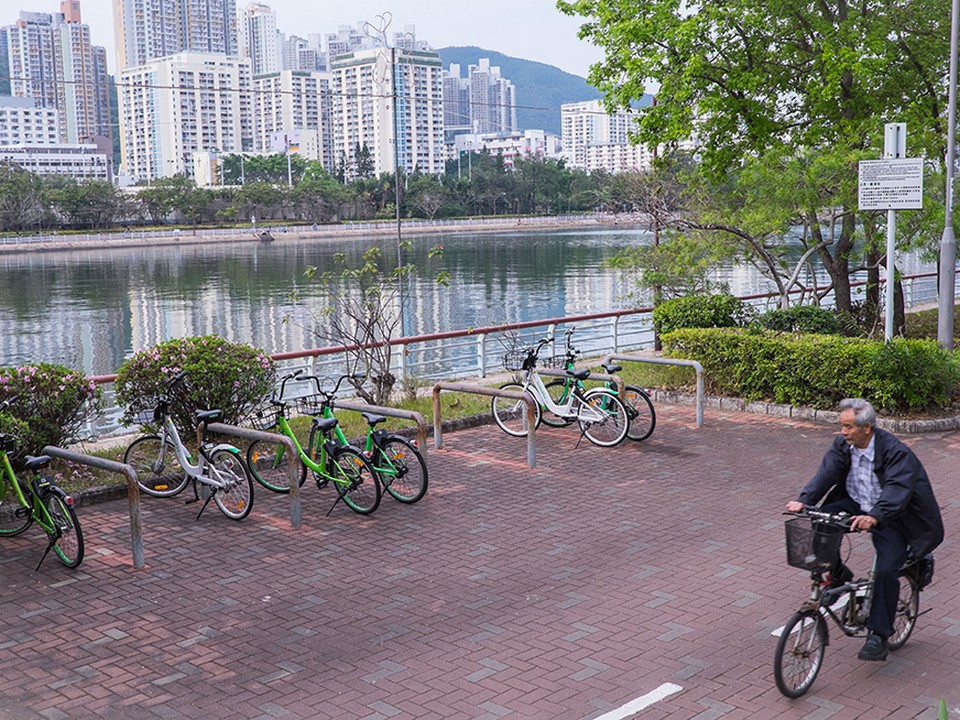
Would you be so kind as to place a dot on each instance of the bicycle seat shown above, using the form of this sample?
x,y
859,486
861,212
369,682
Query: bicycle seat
x,y
372,419
324,424
35,463
611,368
208,415
579,374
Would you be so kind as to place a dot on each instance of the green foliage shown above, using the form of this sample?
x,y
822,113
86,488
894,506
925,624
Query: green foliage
x,y
231,377
820,370
52,400
700,311
802,319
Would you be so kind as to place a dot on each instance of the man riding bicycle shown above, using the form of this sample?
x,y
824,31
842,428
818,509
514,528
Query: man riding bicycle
x,y
870,474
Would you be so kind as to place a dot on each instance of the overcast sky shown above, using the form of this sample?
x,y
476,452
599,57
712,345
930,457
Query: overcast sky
x,y
528,29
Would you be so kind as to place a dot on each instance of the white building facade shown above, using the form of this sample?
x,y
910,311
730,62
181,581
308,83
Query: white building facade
x,y
260,39
296,105
23,123
481,102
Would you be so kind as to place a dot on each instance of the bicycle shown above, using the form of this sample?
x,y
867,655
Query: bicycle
x,y
643,418
331,461
41,502
164,465
601,415
813,543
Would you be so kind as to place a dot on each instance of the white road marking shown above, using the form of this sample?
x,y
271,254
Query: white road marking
x,y
641,703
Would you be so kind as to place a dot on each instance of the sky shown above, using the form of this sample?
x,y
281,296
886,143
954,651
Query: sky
x,y
528,29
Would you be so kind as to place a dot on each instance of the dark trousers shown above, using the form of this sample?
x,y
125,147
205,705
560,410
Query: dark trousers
x,y
890,547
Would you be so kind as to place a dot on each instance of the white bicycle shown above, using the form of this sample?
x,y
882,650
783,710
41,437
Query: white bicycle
x,y
601,415
164,465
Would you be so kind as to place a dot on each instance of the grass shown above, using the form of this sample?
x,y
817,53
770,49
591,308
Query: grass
x,y
923,324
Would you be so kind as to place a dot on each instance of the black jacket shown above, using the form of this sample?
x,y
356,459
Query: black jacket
x,y
906,498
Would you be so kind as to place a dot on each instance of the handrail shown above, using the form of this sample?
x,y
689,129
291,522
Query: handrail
x,y
672,361
392,412
133,491
493,392
251,434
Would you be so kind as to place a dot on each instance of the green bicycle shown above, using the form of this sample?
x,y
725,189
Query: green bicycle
x,y
643,418
343,465
41,502
397,461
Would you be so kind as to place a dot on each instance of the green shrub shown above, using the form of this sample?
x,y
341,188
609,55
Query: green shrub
x,y
221,375
53,401
700,311
820,370
802,319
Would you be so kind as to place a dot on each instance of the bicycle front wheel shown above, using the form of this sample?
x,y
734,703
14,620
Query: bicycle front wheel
x,y
401,469
160,476
643,418
235,498
908,606
511,415
14,517
603,418
69,545
355,480
799,653
559,391
270,463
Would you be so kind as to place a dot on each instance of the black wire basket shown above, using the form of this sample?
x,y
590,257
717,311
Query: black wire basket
x,y
558,362
812,545
515,360
310,404
145,413
264,417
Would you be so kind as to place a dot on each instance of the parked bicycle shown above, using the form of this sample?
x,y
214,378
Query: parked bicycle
x,y
164,465
813,543
345,466
643,418
601,415
40,501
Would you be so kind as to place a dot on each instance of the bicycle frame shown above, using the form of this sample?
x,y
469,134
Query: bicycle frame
x,y
168,433
318,466
38,510
534,385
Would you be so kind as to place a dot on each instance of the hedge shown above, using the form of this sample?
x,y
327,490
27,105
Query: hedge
x,y
819,370
700,311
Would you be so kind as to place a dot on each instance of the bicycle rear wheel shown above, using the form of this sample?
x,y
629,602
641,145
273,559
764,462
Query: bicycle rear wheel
x,y
269,464
511,415
235,500
155,476
356,480
69,546
799,653
645,420
401,469
908,606
603,418
559,391
14,517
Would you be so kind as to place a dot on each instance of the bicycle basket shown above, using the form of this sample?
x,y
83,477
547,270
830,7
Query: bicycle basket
x,y
309,404
557,361
264,417
515,360
148,416
812,546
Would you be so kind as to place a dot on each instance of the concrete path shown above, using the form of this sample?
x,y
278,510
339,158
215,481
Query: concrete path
x,y
644,580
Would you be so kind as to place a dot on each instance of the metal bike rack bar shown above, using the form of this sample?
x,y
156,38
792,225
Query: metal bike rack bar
x,y
251,434
392,412
133,491
492,392
671,361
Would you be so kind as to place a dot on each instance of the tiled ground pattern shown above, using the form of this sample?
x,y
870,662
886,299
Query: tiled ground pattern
x,y
557,593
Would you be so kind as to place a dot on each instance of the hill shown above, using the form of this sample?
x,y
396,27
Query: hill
x,y
541,88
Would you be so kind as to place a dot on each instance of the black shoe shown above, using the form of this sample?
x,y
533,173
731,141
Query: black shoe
x,y
839,577
875,648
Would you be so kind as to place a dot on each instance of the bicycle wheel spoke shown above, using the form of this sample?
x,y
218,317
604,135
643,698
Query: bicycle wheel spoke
x,y
235,499
69,545
401,469
603,418
356,480
160,476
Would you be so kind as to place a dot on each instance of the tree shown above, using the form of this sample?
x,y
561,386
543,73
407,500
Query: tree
x,y
91,204
426,194
748,77
22,198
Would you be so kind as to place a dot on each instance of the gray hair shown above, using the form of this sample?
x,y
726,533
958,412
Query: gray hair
x,y
863,411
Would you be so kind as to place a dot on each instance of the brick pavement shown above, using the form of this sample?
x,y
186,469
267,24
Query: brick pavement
x,y
562,592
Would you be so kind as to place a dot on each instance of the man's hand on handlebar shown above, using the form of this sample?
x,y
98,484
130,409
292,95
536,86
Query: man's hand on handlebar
x,y
794,506
863,522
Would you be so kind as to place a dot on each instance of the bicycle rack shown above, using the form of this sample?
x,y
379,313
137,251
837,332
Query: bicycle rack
x,y
671,361
602,377
391,412
493,392
133,491
251,434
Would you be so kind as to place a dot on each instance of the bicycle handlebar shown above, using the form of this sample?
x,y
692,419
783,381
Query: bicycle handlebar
x,y
5,405
839,519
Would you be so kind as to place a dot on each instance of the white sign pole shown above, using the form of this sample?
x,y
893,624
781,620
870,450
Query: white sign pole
x,y
894,146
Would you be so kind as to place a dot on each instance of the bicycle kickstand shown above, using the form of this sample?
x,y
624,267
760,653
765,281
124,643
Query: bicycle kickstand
x,y
196,498
50,544
339,498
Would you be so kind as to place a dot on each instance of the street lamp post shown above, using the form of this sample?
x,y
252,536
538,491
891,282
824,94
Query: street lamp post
x,y
948,243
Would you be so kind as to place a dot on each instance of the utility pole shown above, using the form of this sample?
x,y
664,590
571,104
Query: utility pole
x,y
948,242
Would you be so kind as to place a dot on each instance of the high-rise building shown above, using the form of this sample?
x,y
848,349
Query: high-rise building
x,y
182,104
148,29
23,123
260,39
288,103
482,102
52,61
408,132
594,139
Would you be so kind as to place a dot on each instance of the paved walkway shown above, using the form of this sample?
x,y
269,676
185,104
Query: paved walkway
x,y
652,573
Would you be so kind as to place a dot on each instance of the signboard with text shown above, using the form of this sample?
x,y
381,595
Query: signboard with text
x,y
891,184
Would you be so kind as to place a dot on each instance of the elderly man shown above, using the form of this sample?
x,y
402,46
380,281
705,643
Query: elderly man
x,y
874,477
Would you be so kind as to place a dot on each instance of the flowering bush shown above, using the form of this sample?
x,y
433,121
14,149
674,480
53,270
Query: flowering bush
x,y
221,375
53,401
